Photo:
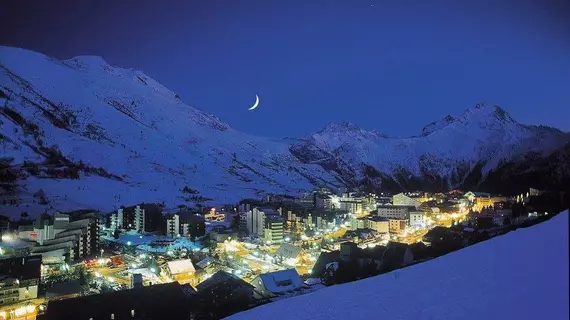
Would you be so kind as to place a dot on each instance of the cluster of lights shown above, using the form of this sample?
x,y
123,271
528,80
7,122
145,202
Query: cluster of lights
x,y
19,312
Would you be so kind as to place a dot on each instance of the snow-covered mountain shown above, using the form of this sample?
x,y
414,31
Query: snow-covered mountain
x,y
494,279
93,136
453,152
79,133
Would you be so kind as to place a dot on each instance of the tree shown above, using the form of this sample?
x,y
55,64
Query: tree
x,y
116,234
85,277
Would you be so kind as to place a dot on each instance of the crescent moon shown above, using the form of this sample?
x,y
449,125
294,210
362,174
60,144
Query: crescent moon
x,y
255,104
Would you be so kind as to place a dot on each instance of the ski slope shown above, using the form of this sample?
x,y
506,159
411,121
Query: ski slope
x,y
521,275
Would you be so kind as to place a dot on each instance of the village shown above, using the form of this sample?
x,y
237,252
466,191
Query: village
x,y
239,256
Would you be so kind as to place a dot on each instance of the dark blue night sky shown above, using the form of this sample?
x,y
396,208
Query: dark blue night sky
x,y
393,66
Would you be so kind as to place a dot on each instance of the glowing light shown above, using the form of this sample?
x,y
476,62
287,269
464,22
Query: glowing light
x,y
128,243
20,311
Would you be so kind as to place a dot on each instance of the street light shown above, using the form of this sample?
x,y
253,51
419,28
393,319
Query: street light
x,y
102,253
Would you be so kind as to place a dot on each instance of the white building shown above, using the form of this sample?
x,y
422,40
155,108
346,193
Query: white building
x,y
357,223
351,206
117,219
278,283
180,267
139,219
393,212
274,229
398,226
79,239
173,225
403,200
417,219
264,223
378,224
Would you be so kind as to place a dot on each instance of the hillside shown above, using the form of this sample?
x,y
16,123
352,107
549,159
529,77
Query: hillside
x,y
79,133
79,128
521,275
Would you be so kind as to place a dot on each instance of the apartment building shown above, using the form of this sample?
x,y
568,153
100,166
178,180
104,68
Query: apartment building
x,y
397,226
401,199
185,224
259,221
417,219
129,218
274,229
378,224
79,239
394,212
19,279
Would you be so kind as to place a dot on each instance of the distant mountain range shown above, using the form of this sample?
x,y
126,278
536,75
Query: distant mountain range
x,y
79,133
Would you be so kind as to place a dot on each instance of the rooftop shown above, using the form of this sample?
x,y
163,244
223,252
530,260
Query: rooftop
x,y
23,268
494,279
377,219
162,301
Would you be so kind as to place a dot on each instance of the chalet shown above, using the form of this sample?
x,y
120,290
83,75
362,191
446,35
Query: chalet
x,y
278,283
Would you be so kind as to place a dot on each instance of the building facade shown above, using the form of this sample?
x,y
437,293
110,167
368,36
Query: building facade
x,y
264,223
398,226
417,219
401,199
185,224
19,279
393,212
378,224
274,229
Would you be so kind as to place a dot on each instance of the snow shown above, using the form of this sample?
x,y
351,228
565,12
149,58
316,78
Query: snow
x,y
313,281
138,130
521,275
481,133
282,281
178,244
133,238
181,266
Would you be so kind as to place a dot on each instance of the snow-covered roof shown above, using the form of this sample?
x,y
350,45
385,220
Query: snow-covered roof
x,y
494,279
181,266
205,262
53,247
280,282
145,272
288,251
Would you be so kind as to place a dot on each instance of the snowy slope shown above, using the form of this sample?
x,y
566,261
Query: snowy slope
x,y
447,152
94,136
149,144
521,275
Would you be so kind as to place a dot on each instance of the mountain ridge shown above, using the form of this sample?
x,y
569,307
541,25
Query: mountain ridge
x,y
79,127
